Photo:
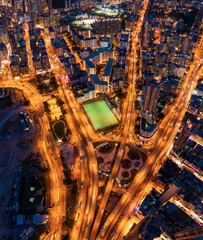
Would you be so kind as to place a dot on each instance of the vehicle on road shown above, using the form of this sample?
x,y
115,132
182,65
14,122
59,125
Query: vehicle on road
x,y
76,217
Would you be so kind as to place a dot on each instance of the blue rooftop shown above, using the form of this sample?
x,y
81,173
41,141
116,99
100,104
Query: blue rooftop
x,y
147,127
96,80
90,64
108,67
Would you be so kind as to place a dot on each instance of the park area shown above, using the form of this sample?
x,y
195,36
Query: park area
x,y
132,162
59,129
100,115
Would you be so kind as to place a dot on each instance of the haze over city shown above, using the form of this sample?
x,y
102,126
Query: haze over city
x,y
101,112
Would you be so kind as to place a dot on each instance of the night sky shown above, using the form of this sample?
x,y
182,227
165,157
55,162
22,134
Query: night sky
x,y
58,3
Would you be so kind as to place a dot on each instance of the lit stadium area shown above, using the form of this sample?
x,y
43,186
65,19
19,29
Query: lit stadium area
x,y
105,12
83,23
55,109
100,115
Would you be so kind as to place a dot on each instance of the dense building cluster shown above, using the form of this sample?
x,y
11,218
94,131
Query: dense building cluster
x,y
165,55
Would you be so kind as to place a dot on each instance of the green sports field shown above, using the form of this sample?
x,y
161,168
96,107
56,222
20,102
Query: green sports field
x,y
100,115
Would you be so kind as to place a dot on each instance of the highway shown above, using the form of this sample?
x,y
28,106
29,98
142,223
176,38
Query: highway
x,y
79,127
29,52
128,117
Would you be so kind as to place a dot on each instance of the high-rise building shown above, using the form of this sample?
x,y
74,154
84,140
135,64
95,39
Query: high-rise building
x,y
50,6
4,37
36,5
147,35
107,26
66,5
6,3
3,52
31,25
183,137
39,5
18,5
33,8
30,10
46,20
185,45
150,99
191,233
25,7
14,65
168,193
147,229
